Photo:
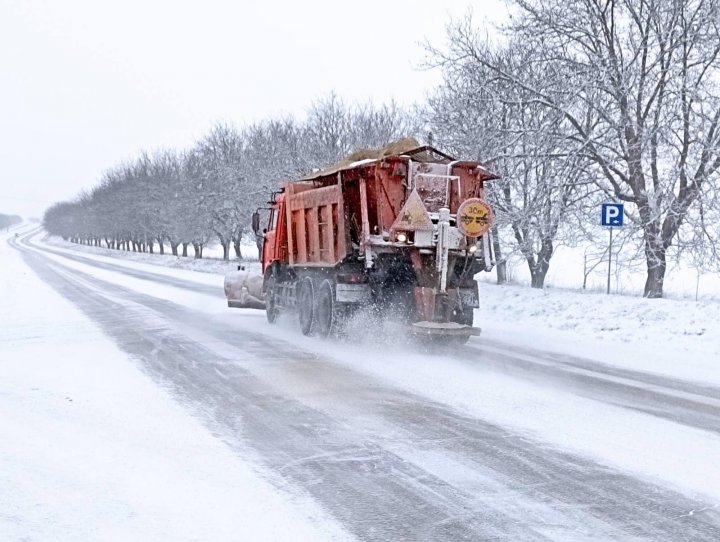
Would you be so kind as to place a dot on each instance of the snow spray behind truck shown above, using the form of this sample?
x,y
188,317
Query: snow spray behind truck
x,y
402,234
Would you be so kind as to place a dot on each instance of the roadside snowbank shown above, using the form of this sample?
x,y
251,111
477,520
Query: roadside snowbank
x,y
679,338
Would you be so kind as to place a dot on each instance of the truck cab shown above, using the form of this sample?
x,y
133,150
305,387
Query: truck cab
x,y
274,246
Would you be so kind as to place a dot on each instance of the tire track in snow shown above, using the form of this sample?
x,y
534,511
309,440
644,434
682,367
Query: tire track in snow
x,y
680,402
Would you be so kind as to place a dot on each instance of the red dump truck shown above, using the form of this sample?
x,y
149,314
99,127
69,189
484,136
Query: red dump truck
x,y
398,236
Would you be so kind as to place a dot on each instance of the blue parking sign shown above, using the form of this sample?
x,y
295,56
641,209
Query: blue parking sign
x,y
612,214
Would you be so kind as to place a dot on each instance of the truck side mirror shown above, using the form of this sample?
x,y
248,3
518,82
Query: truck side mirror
x,y
256,222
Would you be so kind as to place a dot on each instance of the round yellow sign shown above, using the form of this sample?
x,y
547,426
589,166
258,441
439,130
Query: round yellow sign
x,y
474,217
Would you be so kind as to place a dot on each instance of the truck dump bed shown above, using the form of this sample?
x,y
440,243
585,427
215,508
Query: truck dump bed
x,y
357,204
316,224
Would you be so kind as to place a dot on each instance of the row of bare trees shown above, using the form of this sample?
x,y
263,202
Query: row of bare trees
x,y
208,193
574,103
9,220
580,101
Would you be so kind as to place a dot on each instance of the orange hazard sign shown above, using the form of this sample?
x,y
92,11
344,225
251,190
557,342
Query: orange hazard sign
x,y
474,217
413,216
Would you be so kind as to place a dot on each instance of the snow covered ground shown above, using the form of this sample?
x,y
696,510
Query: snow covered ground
x,y
679,338
628,273
577,415
92,449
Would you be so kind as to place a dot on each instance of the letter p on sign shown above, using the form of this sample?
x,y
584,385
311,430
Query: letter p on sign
x,y
612,214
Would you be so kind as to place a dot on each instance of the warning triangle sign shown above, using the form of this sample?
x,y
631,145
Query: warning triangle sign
x,y
413,216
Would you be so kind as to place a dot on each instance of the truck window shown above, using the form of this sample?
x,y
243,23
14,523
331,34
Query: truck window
x,y
273,220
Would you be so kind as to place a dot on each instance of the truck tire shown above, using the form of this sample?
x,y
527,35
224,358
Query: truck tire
x,y
271,308
464,316
458,341
326,310
306,306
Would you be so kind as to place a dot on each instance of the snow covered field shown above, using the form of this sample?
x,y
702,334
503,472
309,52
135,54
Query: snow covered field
x,y
575,416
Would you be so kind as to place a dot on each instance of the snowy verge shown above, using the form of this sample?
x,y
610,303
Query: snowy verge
x,y
93,450
208,264
678,338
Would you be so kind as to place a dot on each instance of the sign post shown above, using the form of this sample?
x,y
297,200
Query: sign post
x,y
609,261
611,216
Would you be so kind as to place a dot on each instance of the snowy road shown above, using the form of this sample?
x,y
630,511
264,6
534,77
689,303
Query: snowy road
x,y
489,442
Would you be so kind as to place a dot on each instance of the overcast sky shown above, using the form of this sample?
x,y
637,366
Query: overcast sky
x,y
86,84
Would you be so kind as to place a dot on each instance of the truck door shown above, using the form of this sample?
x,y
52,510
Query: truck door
x,y
269,252
275,235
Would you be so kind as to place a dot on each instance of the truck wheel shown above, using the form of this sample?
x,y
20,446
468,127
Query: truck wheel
x,y
326,311
271,308
306,306
463,316
458,340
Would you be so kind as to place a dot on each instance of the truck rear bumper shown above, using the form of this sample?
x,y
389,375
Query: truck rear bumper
x,y
444,329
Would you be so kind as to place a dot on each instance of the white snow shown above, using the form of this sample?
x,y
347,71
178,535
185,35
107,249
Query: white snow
x,y
92,449
676,338
679,338
627,277
666,453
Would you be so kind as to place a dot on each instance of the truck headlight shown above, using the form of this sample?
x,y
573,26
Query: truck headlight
x,y
472,249
401,237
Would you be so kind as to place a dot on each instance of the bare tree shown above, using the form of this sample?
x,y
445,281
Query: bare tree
x,y
9,220
212,190
221,155
328,130
698,240
544,178
637,82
